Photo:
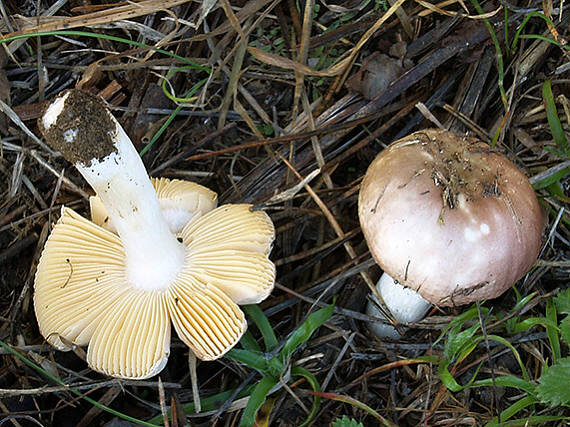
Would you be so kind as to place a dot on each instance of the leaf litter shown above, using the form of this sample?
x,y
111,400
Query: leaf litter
x,y
278,103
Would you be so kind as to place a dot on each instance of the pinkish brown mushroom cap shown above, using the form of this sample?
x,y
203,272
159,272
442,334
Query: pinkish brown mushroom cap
x,y
450,218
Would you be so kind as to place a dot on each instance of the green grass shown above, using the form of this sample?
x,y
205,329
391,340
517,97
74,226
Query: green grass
x,y
551,389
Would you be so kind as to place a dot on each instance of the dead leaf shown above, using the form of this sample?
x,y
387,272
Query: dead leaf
x,y
375,75
289,64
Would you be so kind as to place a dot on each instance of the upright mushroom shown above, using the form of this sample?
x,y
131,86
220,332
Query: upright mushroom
x,y
449,218
118,293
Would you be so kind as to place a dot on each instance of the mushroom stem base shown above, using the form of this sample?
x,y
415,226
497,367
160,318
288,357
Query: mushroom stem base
x,y
405,304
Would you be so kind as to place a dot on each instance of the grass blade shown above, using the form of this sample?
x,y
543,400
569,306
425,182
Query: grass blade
x,y
553,119
262,324
352,401
305,330
552,331
513,409
249,343
299,371
256,399
253,359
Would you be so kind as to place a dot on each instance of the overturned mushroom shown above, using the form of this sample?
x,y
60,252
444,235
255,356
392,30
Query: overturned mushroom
x,y
448,218
118,293
180,201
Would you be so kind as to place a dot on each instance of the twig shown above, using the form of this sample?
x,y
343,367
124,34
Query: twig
x,y
335,364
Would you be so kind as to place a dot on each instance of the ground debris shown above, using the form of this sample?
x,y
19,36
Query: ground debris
x,y
253,99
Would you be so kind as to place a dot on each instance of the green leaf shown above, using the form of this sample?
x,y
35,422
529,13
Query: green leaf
x,y
552,331
256,399
553,384
346,422
69,33
523,24
254,359
276,367
553,119
160,131
507,381
522,302
551,179
358,404
449,381
528,323
273,368
456,324
512,322
535,420
189,96
299,371
266,130
565,329
513,409
262,323
248,342
305,330
458,341
556,190
562,301
516,354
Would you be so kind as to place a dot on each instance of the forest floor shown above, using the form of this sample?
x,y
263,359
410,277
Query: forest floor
x,y
284,104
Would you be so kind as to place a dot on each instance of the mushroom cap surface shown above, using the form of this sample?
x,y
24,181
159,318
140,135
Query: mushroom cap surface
x,y
450,218
181,201
82,294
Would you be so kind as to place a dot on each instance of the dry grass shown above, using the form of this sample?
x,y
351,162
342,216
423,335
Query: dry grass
x,y
282,101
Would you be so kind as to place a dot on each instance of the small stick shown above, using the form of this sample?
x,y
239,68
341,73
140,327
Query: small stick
x,y
162,399
194,381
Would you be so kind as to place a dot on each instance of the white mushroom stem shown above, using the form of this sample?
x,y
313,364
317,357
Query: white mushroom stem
x,y
405,304
153,254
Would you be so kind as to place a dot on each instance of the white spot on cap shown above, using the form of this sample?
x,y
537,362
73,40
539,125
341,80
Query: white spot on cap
x,y
53,111
69,135
471,235
484,229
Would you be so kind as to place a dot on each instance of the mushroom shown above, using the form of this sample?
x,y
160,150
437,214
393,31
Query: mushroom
x,y
449,220
180,201
119,293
